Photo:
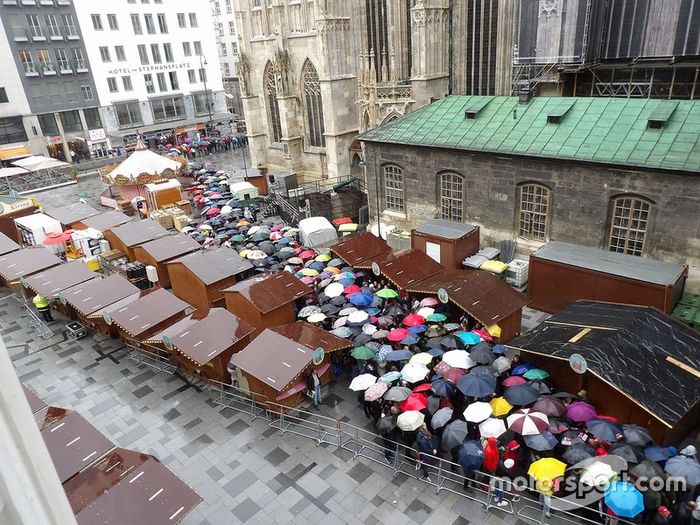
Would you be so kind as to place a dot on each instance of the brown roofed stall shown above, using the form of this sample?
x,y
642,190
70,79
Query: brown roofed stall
x,y
159,251
70,214
7,245
266,300
35,402
205,347
200,278
104,221
53,281
125,237
404,267
25,262
359,247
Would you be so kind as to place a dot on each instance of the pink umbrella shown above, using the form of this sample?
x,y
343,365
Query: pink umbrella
x,y
429,301
397,334
350,289
275,236
413,320
307,280
212,211
483,334
277,227
307,254
581,411
514,380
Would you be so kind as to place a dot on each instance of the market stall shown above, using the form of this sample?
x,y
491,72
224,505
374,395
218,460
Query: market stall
x,y
53,281
160,251
359,247
33,229
127,236
103,221
447,242
404,267
73,214
25,262
7,245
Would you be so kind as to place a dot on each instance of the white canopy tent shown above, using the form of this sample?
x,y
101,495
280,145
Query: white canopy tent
x,y
9,172
36,163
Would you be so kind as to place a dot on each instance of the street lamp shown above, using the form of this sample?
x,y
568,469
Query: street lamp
x,y
202,63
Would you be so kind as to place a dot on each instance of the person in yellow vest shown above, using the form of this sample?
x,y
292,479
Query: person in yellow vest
x,y
42,305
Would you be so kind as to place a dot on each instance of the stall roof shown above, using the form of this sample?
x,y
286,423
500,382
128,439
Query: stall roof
x,y
146,312
176,328
359,247
91,296
405,268
51,282
210,336
211,266
35,402
171,246
73,443
106,221
642,352
271,291
71,213
138,232
26,262
312,336
7,245
445,229
129,487
479,293
620,264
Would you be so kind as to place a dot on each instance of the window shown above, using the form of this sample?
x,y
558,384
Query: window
x,y
44,59
231,27
451,196
168,108
174,84
34,27
104,54
27,61
119,51
227,70
12,130
197,48
87,92
150,27
130,1
71,121
193,19
313,106
96,22
201,103
48,124
234,48
70,91
70,25
162,23
228,6
148,79
126,82
79,58
202,75
168,51
534,212
181,21
92,118
162,86
62,59
273,109
257,3
136,23
112,84
143,54
52,26
128,114
155,51
112,21
393,189
3,96
629,224
187,49
192,76
222,49
220,29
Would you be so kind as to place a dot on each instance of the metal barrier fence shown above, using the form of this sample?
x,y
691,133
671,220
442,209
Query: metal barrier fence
x,y
239,399
151,356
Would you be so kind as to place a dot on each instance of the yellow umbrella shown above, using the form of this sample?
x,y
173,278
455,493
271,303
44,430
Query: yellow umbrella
x,y
500,406
324,257
332,269
545,471
494,330
423,358
244,253
309,272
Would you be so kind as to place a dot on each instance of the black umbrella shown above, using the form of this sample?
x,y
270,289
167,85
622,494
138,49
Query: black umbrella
x,y
570,438
451,341
604,429
540,386
627,452
577,453
636,435
394,310
482,356
454,434
540,442
521,395
267,247
330,309
484,371
433,342
362,339
564,395
433,404
338,301
386,424
477,385
647,469
470,456
483,345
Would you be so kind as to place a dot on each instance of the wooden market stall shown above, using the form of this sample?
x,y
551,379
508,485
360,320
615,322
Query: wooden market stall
x,y
447,242
127,236
561,273
155,345
482,296
160,251
7,245
51,282
403,268
201,277
255,176
359,247
103,221
73,214
276,364
267,300
205,348
641,365
25,262
12,208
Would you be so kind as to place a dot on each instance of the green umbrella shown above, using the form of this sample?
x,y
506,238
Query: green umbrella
x,y
362,353
536,373
436,318
238,238
387,293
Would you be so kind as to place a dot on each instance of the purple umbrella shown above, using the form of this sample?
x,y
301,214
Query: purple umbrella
x,y
581,411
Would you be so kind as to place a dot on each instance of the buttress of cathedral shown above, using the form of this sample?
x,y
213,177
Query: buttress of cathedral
x,y
315,74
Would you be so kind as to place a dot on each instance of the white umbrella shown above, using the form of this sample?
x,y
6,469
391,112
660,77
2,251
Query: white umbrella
x,y
256,255
414,372
502,364
410,420
441,417
369,329
206,227
334,290
424,358
348,310
226,210
309,310
316,318
340,322
597,474
478,412
362,382
253,229
358,316
426,311
492,427
458,359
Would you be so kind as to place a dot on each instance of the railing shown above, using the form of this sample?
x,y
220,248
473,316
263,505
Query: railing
x,y
151,356
36,180
239,399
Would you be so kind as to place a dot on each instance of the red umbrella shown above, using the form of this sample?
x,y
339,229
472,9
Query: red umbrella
x,y
453,375
307,254
413,320
397,334
514,380
342,220
414,402
212,211
442,367
353,288
483,334
57,238
422,388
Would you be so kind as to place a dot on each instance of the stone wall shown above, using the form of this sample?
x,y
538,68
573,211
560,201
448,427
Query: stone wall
x,y
580,198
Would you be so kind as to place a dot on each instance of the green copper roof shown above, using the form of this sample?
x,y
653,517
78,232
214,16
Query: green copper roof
x,y
602,130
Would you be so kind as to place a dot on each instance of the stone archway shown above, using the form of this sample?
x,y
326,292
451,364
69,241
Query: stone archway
x,y
357,168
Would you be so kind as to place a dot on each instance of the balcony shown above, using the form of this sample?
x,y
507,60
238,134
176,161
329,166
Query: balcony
x,y
30,70
48,69
81,66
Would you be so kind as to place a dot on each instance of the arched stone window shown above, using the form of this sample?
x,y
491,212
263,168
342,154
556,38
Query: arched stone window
x,y
393,189
273,109
533,221
630,217
313,106
451,196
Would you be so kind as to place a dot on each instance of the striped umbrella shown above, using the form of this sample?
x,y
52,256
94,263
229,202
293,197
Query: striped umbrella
x,y
527,423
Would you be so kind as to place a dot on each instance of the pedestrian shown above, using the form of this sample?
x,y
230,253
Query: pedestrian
x,y
314,384
662,517
427,450
683,512
499,482
491,456
42,306
74,157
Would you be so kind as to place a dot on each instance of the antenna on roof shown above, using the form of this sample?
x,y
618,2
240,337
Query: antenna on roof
x,y
140,144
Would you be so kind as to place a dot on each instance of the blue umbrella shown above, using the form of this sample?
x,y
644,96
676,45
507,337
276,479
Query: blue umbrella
x,y
345,281
499,350
657,453
372,311
418,329
383,351
411,339
684,467
284,240
604,429
442,388
390,377
541,442
521,395
476,385
318,266
399,355
624,499
342,332
521,369
470,456
436,352
361,299
469,338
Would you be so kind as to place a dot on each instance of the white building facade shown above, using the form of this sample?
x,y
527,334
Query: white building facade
x,y
224,17
155,65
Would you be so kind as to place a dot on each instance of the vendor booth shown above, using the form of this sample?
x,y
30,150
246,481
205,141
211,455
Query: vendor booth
x,y
635,363
7,245
561,273
404,267
267,300
25,262
33,229
13,207
205,348
127,236
71,215
159,251
53,281
35,402
103,221
243,191
359,247
316,231
447,242
201,277
277,362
